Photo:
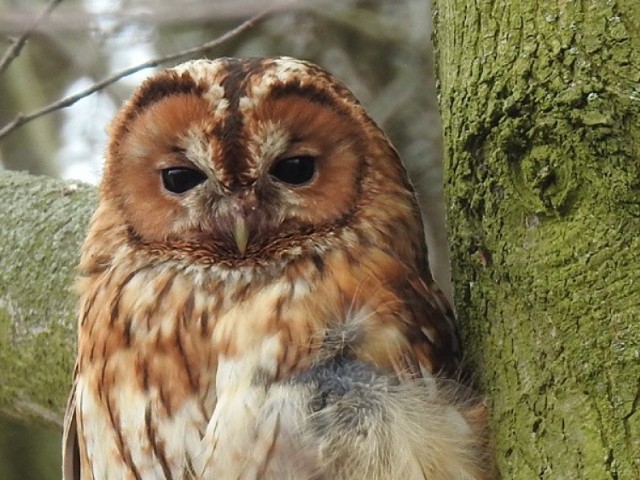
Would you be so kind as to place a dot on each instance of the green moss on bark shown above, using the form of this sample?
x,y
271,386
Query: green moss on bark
x,y
43,226
540,104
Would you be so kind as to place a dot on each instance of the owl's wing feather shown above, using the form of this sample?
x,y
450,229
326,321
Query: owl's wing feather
x,y
432,333
70,448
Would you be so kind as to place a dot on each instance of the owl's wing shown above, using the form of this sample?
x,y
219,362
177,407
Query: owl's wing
x,y
432,333
70,449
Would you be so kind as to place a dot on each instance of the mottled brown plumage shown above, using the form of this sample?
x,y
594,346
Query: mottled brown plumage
x,y
255,299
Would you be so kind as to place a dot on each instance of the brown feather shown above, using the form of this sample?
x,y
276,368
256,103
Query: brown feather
x,y
201,359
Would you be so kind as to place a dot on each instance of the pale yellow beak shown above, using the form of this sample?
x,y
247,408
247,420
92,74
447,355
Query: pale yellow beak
x,y
241,233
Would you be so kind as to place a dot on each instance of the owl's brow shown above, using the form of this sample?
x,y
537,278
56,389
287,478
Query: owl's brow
x,y
311,93
159,88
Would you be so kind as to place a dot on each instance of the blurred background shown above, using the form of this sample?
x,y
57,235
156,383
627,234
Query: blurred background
x,y
381,49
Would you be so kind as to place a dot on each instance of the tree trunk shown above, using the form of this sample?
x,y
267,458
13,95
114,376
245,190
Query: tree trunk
x,y
540,103
42,227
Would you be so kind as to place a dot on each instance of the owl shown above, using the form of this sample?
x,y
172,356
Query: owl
x,y
255,299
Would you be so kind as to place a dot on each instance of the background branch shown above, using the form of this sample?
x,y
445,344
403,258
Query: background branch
x,y
75,17
39,252
71,99
14,50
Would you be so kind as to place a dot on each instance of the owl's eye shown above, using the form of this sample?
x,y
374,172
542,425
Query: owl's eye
x,y
294,170
181,179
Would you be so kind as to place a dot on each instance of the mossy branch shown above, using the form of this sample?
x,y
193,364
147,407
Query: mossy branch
x,y
43,223
540,110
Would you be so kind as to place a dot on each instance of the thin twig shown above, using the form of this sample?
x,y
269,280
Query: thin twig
x,y
21,119
14,50
74,17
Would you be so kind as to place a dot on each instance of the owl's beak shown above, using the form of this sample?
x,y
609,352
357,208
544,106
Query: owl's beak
x,y
241,233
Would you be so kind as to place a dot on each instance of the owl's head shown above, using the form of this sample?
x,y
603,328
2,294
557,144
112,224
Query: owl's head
x,y
245,161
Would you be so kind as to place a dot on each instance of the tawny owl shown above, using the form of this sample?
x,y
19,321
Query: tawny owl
x,y
255,299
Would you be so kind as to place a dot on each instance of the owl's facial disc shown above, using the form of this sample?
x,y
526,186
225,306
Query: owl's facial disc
x,y
179,180
240,166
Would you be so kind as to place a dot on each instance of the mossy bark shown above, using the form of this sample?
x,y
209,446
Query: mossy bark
x,y
43,224
540,102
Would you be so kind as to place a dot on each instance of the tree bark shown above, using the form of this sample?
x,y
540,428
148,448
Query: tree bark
x,y
540,102
42,227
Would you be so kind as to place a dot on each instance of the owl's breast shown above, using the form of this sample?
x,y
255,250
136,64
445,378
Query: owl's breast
x,y
171,361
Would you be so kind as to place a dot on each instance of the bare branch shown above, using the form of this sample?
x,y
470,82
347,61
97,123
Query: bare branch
x,y
21,119
14,50
73,17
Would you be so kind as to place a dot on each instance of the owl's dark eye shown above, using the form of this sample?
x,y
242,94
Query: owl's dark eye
x,y
294,170
181,179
